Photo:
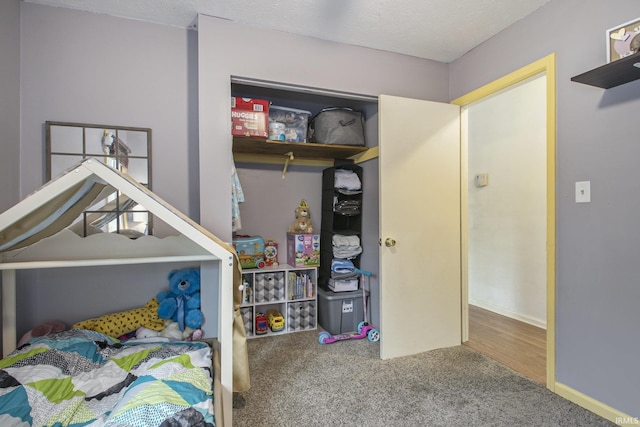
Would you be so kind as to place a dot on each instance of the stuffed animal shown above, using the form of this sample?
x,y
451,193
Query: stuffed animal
x,y
124,322
181,303
42,330
143,332
302,224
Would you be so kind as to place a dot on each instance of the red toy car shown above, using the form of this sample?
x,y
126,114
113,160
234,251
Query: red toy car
x,y
262,325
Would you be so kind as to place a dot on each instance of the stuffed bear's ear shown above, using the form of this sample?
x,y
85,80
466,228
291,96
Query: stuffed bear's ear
x,y
171,274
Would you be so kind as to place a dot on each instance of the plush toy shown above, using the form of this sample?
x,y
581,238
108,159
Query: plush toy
x,y
181,303
42,330
172,330
302,224
124,322
143,332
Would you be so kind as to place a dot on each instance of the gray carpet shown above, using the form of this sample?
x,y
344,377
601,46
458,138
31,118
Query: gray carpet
x,y
297,382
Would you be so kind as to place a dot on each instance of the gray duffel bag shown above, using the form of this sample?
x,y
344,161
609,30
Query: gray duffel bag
x,y
337,126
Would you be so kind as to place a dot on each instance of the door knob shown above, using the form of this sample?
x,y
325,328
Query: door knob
x,y
389,242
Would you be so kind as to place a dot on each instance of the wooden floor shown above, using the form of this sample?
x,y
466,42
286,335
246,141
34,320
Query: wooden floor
x,y
518,345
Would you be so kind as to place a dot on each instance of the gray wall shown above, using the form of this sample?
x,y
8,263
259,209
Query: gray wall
x,y
93,68
598,248
9,103
230,49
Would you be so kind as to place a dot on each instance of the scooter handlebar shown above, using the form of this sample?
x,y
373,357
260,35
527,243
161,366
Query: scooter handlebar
x,y
366,273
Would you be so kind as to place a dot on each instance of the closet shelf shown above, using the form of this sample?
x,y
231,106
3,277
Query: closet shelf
x,y
612,74
247,146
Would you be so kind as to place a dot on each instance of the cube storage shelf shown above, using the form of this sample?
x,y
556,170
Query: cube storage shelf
x,y
290,290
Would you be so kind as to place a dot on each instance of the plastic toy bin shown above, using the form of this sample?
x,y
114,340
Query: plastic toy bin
x,y
293,123
340,312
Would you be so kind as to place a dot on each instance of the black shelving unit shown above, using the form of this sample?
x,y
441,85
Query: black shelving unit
x,y
336,223
613,74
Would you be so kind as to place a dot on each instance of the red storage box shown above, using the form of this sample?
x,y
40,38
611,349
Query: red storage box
x,y
249,117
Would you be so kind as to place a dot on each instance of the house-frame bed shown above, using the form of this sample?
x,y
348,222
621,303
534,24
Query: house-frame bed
x,y
33,235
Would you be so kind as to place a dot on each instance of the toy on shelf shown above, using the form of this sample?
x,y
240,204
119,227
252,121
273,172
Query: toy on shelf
x,y
247,292
261,324
276,321
271,252
302,223
250,250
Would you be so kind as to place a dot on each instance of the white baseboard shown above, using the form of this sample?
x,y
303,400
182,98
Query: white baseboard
x,y
595,406
500,310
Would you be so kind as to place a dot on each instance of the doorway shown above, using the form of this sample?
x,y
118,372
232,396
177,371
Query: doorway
x,y
508,225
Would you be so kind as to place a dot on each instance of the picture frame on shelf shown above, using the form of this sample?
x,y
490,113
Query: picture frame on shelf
x,y
623,40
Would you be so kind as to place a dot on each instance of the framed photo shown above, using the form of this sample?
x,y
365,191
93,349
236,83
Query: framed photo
x,y
623,40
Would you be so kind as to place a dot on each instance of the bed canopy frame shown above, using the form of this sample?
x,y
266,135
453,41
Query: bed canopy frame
x,y
34,234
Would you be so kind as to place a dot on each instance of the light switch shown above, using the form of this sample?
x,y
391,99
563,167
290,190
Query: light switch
x,y
481,180
583,192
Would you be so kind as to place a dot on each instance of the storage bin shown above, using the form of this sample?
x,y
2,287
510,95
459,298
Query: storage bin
x,y
301,315
247,319
269,287
295,122
341,312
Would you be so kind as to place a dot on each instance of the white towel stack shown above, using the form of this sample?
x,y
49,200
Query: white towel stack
x,y
347,179
346,247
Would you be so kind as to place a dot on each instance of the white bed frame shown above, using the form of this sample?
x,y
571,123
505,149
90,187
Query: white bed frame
x,y
66,249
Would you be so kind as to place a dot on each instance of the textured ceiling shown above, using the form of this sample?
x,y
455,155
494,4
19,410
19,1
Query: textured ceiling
x,y
442,30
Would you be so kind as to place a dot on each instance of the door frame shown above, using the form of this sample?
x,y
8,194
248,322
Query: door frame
x,y
546,65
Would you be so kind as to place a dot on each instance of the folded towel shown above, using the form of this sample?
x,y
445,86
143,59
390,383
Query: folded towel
x,y
339,240
347,179
342,266
347,253
343,276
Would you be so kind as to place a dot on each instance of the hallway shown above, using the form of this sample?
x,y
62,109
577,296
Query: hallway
x,y
518,345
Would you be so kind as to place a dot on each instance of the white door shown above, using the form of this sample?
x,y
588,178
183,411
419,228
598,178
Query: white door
x,y
419,276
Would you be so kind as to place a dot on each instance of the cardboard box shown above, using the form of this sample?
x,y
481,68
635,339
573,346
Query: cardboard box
x,y
343,285
303,250
249,117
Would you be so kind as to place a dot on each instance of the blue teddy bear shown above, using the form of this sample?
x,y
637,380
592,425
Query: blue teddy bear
x,y
181,303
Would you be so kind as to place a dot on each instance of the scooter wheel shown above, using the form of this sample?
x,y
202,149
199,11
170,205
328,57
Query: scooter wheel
x,y
360,326
373,335
323,337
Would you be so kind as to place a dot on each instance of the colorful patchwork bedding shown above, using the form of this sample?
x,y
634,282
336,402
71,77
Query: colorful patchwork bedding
x,y
79,378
